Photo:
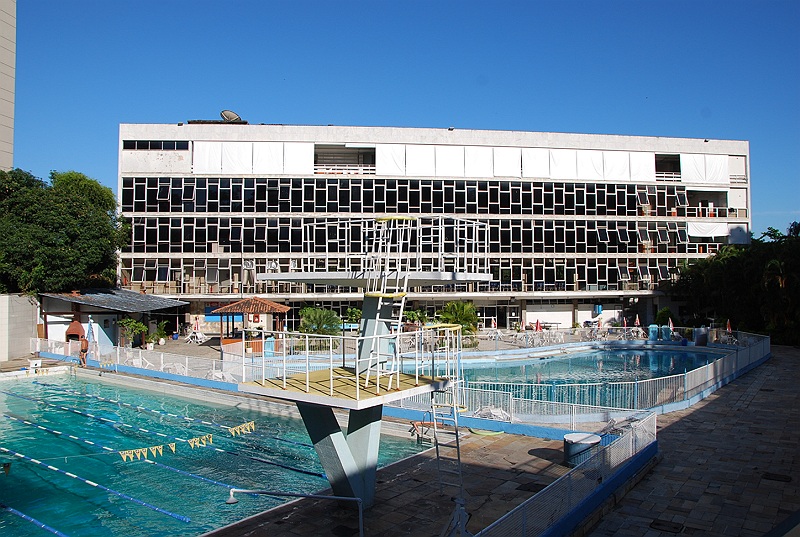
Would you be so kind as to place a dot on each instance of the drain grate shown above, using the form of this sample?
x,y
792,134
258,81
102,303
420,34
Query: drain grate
x,y
666,525
776,477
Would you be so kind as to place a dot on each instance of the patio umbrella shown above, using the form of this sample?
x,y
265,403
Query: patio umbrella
x,y
624,322
538,326
90,331
728,326
671,328
636,322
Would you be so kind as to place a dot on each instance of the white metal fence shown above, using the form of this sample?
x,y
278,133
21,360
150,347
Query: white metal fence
x,y
744,350
557,501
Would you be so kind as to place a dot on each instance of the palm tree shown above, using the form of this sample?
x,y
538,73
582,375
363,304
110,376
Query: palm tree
x,y
319,321
462,313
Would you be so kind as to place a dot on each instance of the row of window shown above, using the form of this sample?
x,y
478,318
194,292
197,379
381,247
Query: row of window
x,y
156,145
294,235
529,274
403,196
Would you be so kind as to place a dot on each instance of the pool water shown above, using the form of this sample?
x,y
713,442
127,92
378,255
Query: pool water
x,y
76,429
589,367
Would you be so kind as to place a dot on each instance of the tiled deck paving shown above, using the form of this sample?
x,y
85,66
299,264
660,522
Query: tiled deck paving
x,y
731,463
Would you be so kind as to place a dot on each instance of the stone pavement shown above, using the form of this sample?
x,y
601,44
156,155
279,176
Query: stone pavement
x,y
731,463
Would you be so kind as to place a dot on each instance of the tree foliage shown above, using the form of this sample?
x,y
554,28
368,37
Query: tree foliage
x,y
463,313
757,287
57,236
319,321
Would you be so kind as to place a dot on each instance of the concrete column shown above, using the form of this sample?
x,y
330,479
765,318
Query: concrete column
x,y
374,310
350,460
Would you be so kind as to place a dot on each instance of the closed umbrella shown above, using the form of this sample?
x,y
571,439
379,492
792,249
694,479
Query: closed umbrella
x,y
636,322
538,326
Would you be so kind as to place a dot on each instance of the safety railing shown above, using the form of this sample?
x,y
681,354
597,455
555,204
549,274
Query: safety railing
x,y
554,506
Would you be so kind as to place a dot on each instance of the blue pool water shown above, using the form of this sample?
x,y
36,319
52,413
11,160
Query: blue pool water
x,y
75,429
601,365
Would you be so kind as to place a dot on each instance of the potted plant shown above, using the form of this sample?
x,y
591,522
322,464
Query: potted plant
x,y
161,332
151,340
131,328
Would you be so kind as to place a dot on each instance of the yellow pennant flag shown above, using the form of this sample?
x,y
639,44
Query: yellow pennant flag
x,y
156,449
172,446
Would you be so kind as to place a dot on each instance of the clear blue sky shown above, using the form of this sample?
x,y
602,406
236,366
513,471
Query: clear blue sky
x,y
686,68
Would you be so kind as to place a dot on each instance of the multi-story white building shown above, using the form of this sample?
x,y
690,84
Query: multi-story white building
x,y
574,223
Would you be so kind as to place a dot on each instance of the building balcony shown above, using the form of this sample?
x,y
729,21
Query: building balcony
x,y
344,169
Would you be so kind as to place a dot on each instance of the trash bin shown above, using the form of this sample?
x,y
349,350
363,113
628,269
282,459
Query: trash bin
x,y
653,332
578,447
701,336
666,333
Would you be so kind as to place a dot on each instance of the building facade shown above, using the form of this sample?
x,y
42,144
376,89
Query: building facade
x,y
8,69
574,224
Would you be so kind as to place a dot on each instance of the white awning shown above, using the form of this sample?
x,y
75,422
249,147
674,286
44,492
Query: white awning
x,y
449,161
237,157
298,158
563,164
616,166
643,166
507,162
590,165
207,157
267,157
535,162
390,159
420,160
478,161
707,229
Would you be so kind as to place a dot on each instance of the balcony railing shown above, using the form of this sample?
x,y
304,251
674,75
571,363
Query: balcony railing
x,y
344,169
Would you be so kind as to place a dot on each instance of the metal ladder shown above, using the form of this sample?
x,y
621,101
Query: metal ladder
x,y
444,411
388,283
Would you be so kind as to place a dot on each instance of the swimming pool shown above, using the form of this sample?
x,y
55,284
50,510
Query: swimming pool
x,y
592,366
89,459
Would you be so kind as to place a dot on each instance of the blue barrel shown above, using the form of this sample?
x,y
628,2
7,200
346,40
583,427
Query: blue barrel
x,y
666,333
653,332
578,447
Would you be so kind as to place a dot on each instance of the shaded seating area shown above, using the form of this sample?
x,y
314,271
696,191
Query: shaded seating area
x,y
259,309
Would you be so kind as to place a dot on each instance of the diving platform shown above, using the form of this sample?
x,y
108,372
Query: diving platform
x,y
342,388
385,362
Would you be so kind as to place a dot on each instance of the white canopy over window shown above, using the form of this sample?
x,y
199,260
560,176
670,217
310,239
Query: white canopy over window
x,y
616,166
298,158
207,157
707,229
420,160
643,166
535,162
478,161
237,157
267,157
563,164
507,162
390,159
449,161
590,165
717,169
693,168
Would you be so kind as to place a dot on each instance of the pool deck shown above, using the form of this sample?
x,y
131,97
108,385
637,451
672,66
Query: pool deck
x,y
730,465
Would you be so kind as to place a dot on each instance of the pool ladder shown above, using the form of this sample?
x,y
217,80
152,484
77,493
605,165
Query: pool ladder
x,y
444,411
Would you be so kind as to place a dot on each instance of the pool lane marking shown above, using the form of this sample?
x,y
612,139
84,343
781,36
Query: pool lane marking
x,y
114,452
161,412
32,520
107,420
122,495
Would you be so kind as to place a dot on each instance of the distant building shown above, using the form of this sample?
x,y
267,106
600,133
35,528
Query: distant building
x,y
8,62
576,224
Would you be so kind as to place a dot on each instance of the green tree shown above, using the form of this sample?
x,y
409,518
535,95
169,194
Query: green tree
x,y
757,287
58,236
463,313
319,321
353,315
